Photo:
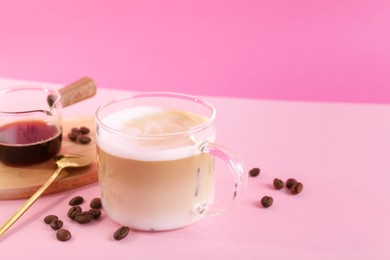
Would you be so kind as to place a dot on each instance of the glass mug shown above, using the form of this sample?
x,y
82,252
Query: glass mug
x,y
30,124
155,154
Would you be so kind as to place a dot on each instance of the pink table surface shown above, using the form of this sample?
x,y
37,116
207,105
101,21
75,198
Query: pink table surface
x,y
338,151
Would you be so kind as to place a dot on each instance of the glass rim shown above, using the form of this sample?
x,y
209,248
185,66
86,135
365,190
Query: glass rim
x,y
44,89
210,120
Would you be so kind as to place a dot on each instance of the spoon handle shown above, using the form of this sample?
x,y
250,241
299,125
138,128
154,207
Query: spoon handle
x,y
29,202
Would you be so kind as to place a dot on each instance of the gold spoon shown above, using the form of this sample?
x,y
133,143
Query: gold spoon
x,y
63,161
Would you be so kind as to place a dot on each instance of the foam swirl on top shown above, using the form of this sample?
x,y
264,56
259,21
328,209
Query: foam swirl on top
x,y
150,121
153,120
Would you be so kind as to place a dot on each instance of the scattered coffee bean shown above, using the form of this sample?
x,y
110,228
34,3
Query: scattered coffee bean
x,y
296,188
75,130
80,135
121,233
84,130
76,201
267,201
96,203
73,211
56,224
95,212
290,182
63,235
73,137
49,218
51,99
84,217
254,172
84,139
278,184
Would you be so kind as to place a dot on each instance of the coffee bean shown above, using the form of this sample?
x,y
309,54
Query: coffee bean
x,y
84,139
96,203
80,135
121,233
95,212
63,235
254,172
76,201
75,130
51,99
84,217
267,201
290,182
49,218
84,130
73,211
296,188
278,184
56,224
73,137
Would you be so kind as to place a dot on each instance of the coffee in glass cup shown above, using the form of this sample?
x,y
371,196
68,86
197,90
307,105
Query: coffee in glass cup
x,y
156,156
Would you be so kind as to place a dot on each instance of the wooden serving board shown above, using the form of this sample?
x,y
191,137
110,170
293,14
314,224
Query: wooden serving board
x,y
22,182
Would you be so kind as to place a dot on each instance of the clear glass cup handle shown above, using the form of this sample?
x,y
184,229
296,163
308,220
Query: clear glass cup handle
x,y
238,170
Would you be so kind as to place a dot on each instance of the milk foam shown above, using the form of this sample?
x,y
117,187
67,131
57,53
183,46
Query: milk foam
x,y
149,120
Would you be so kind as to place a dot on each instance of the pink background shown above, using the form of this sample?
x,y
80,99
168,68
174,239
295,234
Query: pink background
x,y
324,50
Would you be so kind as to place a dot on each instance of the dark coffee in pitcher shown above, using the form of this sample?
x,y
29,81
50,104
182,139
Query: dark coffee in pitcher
x,y
27,142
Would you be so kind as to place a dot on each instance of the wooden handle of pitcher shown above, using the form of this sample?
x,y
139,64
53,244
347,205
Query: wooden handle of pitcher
x,y
81,89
